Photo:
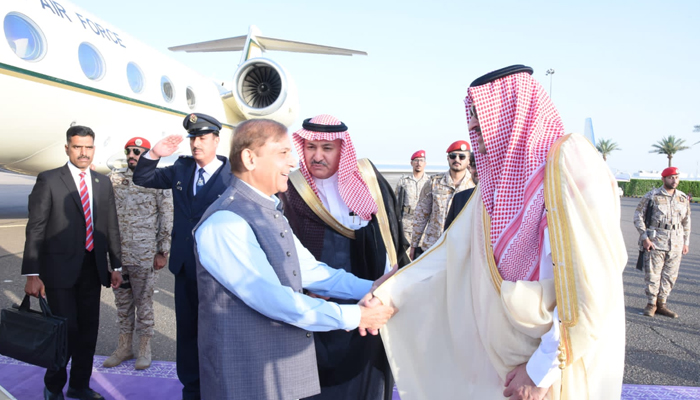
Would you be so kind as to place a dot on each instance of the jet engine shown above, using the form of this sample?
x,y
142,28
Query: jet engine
x,y
263,89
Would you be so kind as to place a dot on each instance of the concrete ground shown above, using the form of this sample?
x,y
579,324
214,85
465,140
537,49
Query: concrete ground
x,y
660,351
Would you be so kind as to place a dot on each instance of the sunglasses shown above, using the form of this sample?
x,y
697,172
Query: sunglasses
x,y
454,156
137,152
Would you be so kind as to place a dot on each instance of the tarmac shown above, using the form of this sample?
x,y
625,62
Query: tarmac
x,y
659,351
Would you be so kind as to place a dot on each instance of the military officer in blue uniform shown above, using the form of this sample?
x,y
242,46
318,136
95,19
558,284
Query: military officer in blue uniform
x,y
196,181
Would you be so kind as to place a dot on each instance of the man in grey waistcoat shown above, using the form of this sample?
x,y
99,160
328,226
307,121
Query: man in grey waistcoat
x,y
252,272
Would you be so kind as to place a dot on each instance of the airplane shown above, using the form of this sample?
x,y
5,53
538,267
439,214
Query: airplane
x,y
63,66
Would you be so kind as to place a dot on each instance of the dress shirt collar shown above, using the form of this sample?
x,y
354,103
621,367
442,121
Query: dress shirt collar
x,y
272,198
212,166
75,171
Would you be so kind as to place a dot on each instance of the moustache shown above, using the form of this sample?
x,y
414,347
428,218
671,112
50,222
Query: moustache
x,y
131,159
319,163
83,158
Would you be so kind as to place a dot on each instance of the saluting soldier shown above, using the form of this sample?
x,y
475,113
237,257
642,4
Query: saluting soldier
x,y
664,241
145,221
408,189
196,181
434,201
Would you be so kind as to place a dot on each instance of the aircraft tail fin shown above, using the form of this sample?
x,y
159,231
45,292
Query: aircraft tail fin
x,y
253,45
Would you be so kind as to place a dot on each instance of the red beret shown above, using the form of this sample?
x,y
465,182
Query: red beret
x,y
419,153
459,145
669,171
139,142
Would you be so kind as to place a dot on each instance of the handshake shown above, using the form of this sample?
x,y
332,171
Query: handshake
x,y
375,314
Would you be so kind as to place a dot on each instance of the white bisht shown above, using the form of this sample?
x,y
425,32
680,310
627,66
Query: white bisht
x,y
461,328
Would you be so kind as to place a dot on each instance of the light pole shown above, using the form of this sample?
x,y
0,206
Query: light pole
x,y
549,73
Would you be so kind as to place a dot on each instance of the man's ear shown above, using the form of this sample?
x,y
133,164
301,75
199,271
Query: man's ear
x,y
66,147
248,157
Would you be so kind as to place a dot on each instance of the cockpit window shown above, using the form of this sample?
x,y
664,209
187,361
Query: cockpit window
x,y
166,87
24,37
135,77
91,61
191,99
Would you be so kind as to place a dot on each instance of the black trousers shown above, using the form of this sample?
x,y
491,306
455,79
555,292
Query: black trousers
x,y
186,312
81,305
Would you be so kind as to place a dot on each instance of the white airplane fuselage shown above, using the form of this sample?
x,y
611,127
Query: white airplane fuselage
x,y
40,99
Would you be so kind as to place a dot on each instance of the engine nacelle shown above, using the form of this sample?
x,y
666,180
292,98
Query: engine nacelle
x,y
263,89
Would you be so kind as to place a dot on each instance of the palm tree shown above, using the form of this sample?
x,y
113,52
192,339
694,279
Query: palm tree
x,y
605,147
669,145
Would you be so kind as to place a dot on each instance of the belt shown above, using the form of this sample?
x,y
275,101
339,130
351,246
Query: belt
x,y
666,226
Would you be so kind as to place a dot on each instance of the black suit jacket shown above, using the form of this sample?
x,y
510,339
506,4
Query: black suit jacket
x,y
458,202
55,236
188,209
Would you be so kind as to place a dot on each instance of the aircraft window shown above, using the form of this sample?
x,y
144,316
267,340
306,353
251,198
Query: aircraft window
x,y
166,87
191,100
91,61
24,37
135,77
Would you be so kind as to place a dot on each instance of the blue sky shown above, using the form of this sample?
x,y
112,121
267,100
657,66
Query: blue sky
x,y
631,66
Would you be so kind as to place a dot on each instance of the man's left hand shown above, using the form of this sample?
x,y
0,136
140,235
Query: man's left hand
x,y
116,279
160,260
685,249
519,386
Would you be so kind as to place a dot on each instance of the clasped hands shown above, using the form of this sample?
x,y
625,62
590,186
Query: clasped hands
x,y
374,313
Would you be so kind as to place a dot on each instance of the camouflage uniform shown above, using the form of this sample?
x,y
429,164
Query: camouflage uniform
x,y
429,217
407,191
145,222
670,220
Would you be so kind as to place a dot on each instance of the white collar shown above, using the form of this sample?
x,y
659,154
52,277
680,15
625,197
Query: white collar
x,y
75,171
212,166
272,198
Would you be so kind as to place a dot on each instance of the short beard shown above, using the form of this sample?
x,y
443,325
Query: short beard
x,y
131,167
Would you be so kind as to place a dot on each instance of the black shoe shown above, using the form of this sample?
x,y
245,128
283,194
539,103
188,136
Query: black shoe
x,y
49,395
84,394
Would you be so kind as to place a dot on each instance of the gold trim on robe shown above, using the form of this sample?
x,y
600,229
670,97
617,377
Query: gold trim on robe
x,y
307,194
367,172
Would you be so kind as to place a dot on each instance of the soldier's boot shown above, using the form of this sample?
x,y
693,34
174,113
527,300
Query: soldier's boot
x,y
144,359
122,353
650,310
663,310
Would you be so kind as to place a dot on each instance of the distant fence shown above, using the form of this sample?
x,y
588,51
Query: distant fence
x,y
639,187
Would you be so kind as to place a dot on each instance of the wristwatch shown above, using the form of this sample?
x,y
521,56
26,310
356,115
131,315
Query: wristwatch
x,y
117,269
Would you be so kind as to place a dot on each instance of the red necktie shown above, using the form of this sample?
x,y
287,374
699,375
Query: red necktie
x,y
85,200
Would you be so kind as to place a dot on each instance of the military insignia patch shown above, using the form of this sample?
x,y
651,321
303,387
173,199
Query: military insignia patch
x,y
193,118
138,142
463,147
125,181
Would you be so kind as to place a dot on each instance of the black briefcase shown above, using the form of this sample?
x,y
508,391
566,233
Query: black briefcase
x,y
35,337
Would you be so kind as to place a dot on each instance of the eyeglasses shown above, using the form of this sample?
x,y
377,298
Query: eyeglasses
x,y
137,152
454,155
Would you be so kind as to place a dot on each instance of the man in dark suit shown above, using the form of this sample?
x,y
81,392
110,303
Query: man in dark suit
x,y
460,199
72,230
196,182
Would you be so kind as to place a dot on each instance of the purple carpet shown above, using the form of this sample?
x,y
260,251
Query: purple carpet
x,y
26,382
